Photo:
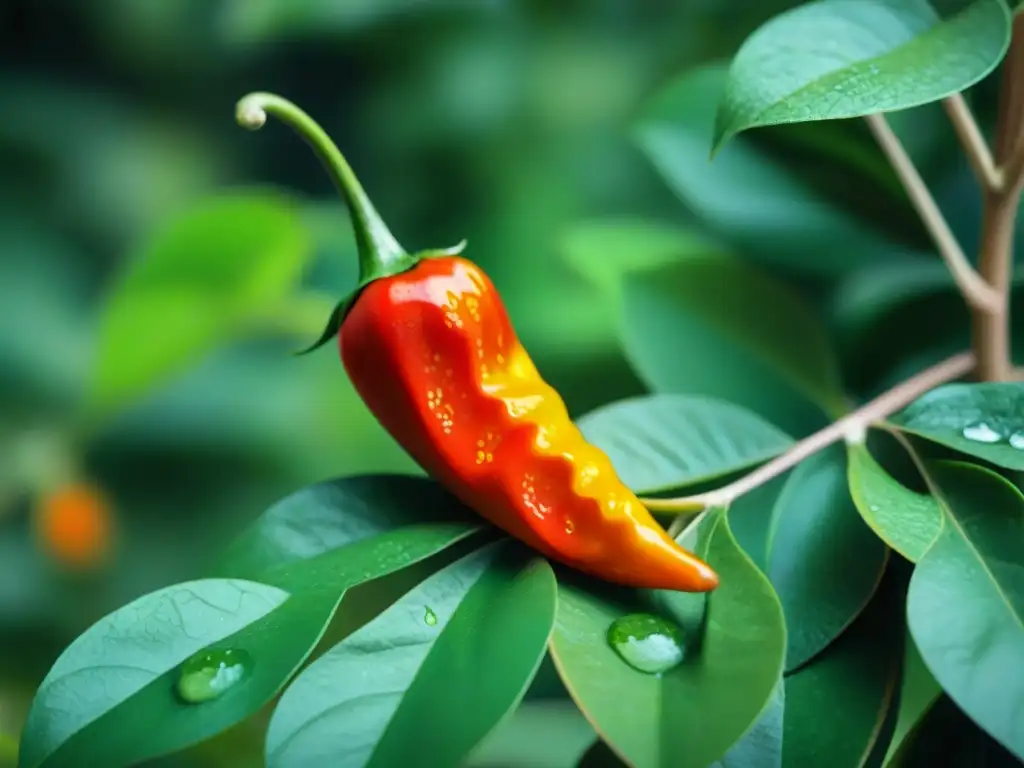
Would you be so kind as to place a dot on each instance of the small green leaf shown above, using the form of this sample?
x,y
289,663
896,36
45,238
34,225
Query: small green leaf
x,y
332,514
604,250
843,704
965,606
194,285
745,197
919,691
692,714
906,521
660,442
127,650
723,328
982,420
849,58
405,689
823,561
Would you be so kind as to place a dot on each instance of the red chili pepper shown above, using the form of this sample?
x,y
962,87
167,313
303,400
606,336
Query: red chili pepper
x,y
428,344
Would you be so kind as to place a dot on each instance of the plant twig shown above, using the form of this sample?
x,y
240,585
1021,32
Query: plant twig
x,y
974,143
991,325
851,428
976,291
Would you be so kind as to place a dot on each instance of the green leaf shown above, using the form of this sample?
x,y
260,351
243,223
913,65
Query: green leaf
x,y
905,520
604,250
129,649
843,704
919,691
430,677
823,561
660,442
965,606
750,519
153,721
745,197
194,285
982,420
761,746
335,513
909,302
722,328
692,714
849,58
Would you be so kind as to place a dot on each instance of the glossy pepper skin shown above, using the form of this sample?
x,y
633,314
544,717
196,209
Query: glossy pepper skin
x,y
428,345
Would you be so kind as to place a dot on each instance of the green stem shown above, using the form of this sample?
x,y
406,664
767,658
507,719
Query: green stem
x,y
380,254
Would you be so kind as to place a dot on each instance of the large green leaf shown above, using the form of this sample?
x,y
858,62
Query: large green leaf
x,y
723,328
840,708
659,442
905,520
129,649
331,514
823,561
983,420
745,197
603,250
692,714
317,566
430,677
965,606
849,58
195,284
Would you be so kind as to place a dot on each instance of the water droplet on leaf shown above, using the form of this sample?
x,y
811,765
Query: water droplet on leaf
x,y
647,643
1017,441
430,618
981,433
207,675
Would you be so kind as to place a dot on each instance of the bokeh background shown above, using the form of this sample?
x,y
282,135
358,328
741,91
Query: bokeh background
x,y
504,122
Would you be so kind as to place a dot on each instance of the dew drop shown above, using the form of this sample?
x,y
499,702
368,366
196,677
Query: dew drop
x,y
647,643
208,675
569,526
1017,441
429,617
874,508
981,433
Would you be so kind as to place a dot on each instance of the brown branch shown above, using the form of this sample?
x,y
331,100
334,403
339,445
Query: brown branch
x,y
991,325
978,293
851,428
974,143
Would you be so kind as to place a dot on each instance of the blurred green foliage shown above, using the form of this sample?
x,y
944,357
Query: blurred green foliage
x,y
507,122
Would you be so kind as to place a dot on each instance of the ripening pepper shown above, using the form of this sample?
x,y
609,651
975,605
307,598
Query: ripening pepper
x,y
428,345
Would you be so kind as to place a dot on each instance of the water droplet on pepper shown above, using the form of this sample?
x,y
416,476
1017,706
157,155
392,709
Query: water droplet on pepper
x,y
208,675
647,643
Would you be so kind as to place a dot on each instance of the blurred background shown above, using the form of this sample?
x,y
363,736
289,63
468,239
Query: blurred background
x,y
505,122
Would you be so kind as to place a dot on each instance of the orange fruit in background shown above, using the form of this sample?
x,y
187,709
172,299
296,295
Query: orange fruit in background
x,y
74,526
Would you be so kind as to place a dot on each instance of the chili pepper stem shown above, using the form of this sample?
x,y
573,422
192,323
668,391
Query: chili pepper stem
x,y
379,251
380,254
